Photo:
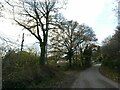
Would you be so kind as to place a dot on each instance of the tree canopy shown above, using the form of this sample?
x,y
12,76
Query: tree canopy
x,y
71,35
36,16
111,50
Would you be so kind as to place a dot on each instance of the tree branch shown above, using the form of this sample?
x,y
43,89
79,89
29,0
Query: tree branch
x,y
39,38
42,25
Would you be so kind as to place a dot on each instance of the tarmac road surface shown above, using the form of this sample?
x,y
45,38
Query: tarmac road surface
x,y
91,78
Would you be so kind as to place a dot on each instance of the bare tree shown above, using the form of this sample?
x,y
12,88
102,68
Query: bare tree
x,y
70,36
37,16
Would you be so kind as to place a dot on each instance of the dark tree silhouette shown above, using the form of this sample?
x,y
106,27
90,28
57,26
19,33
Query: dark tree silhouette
x,y
69,37
37,16
111,51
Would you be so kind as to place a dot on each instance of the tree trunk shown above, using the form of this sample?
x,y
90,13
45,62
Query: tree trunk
x,y
70,62
46,55
81,57
42,55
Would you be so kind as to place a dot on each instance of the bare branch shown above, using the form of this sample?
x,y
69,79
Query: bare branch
x,y
29,29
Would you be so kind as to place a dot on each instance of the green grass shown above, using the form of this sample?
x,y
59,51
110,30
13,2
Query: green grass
x,y
51,83
110,73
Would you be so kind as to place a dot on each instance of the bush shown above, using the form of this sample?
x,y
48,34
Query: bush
x,y
21,70
112,63
18,69
25,77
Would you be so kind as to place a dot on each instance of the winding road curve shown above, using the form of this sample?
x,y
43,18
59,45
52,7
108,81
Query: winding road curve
x,y
91,78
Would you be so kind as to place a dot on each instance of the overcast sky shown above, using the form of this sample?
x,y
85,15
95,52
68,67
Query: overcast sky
x,y
97,14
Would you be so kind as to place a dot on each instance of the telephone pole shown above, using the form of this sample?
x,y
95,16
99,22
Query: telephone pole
x,y
22,42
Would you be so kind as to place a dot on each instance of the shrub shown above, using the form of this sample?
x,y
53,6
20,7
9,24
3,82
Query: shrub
x,y
21,70
18,69
112,63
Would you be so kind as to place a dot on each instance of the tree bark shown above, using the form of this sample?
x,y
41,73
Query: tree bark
x,y
70,54
70,62
42,55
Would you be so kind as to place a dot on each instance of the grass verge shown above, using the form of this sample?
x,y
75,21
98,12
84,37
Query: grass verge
x,y
61,79
110,73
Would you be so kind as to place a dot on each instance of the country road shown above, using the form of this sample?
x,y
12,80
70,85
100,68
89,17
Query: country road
x,y
91,78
